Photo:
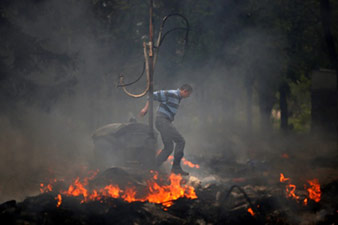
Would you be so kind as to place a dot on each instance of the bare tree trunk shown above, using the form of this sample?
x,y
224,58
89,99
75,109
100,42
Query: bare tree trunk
x,y
265,107
326,19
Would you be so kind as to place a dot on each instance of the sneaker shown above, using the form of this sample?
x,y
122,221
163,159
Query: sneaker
x,y
178,170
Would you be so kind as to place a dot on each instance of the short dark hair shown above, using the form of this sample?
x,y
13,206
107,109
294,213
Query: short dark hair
x,y
186,87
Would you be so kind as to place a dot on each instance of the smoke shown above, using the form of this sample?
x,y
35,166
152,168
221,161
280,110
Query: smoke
x,y
51,136
48,132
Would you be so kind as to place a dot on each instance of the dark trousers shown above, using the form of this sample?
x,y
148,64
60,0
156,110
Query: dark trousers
x,y
169,136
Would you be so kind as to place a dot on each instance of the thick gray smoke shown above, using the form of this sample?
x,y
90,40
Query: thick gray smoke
x,y
37,143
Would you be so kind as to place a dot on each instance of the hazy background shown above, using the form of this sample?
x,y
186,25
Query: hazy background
x,y
60,62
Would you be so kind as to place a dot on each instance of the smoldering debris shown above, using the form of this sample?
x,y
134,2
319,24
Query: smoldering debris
x,y
224,202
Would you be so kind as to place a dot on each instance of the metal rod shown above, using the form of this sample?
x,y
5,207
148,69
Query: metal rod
x,y
150,61
151,70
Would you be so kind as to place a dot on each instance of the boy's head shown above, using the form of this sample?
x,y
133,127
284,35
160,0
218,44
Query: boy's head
x,y
185,90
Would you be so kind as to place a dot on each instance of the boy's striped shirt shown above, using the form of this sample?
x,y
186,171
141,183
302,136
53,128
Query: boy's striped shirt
x,y
169,102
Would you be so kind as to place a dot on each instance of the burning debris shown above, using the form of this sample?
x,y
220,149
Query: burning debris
x,y
137,196
115,196
313,190
156,190
251,211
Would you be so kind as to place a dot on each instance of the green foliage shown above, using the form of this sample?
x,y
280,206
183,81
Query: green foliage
x,y
299,103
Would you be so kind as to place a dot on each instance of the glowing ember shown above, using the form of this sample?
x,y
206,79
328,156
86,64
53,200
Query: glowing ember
x,y
45,188
314,190
251,211
59,199
289,188
283,179
285,156
156,193
185,162
190,164
305,201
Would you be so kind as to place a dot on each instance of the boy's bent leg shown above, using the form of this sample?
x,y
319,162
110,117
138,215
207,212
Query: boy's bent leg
x,y
179,152
179,148
163,126
166,151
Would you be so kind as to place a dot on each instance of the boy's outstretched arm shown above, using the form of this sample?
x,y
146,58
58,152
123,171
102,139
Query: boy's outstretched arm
x,y
144,110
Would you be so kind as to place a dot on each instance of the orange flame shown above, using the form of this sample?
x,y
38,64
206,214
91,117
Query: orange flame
x,y
168,193
78,189
46,188
156,193
289,188
283,179
190,164
251,211
314,190
185,162
129,195
59,198
112,191
305,201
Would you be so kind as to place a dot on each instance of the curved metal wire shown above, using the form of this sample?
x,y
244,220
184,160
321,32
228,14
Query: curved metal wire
x,y
242,191
160,38
121,83
187,28
174,29
158,44
252,206
148,78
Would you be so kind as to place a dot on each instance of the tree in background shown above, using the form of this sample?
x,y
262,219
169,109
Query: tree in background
x,y
22,57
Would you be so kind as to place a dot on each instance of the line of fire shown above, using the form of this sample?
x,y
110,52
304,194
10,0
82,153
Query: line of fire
x,y
168,112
